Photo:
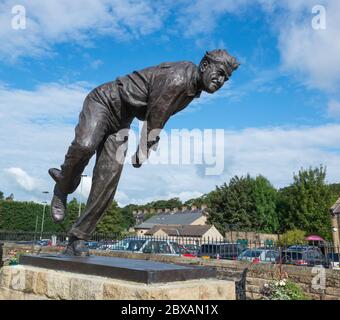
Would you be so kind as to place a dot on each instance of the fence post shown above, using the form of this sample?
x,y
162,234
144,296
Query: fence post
x,y
1,253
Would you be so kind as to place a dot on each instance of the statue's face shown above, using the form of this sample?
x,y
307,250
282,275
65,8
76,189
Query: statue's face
x,y
213,76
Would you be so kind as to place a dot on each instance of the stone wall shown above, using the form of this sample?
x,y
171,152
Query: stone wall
x,y
251,236
31,283
257,276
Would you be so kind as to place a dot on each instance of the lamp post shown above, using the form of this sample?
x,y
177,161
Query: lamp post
x,y
36,228
81,189
43,216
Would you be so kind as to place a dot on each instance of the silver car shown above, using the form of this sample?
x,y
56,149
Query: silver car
x,y
259,255
164,247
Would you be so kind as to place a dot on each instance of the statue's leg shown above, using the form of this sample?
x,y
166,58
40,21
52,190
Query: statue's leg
x,y
106,175
94,123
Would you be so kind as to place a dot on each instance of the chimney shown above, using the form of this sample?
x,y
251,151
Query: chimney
x,y
184,208
193,208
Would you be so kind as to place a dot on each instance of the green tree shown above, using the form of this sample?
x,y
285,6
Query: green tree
x,y
1,195
129,219
114,221
335,191
245,204
292,237
265,196
71,216
23,216
305,204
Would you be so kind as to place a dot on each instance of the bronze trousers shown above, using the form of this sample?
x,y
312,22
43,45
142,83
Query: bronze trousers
x,y
97,132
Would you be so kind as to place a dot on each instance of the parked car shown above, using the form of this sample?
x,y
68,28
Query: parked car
x,y
145,245
128,244
303,256
183,250
92,245
192,248
44,242
106,245
228,251
333,259
259,255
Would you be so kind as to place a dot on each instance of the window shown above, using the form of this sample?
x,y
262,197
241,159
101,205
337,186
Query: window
x,y
271,255
157,247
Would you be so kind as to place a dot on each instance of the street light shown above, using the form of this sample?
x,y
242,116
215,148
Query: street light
x,y
81,189
43,217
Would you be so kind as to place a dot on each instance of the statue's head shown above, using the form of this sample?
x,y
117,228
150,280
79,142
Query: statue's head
x,y
216,68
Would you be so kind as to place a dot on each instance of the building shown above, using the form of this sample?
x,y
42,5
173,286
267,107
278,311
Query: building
x,y
175,217
186,233
335,213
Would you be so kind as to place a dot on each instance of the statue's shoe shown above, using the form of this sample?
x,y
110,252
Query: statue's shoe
x,y
77,247
58,205
55,174
59,200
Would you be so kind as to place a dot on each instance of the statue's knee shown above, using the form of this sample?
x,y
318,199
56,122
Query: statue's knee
x,y
85,149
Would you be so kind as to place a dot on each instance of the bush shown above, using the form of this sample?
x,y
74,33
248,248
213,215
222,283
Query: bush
x,y
283,290
292,237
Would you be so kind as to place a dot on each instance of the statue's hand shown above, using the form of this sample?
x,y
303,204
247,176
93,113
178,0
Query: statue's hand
x,y
135,161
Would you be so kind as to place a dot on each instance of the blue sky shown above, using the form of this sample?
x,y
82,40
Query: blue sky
x,y
280,111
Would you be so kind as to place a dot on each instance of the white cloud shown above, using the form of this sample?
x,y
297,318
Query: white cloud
x,y
202,16
22,178
96,64
80,21
36,128
312,54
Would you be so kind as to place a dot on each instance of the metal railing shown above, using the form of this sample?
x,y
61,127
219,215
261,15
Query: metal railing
x,y
254,251
61,236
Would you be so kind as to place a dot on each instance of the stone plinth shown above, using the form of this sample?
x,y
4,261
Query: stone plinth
x,y
27,282
136,270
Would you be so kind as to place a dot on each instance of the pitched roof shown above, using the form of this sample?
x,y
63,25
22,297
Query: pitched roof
x,y
336,207
172,218
183,230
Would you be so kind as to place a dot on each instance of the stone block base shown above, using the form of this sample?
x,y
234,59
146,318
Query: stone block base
x,y
32,283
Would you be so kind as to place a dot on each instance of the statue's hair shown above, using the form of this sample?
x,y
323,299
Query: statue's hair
x,y
223,57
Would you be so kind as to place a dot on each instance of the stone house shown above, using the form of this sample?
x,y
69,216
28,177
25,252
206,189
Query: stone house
x,y
186,233
335,215
184,216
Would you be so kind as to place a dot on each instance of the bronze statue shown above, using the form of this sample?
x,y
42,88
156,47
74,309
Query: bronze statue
x,y
152,95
